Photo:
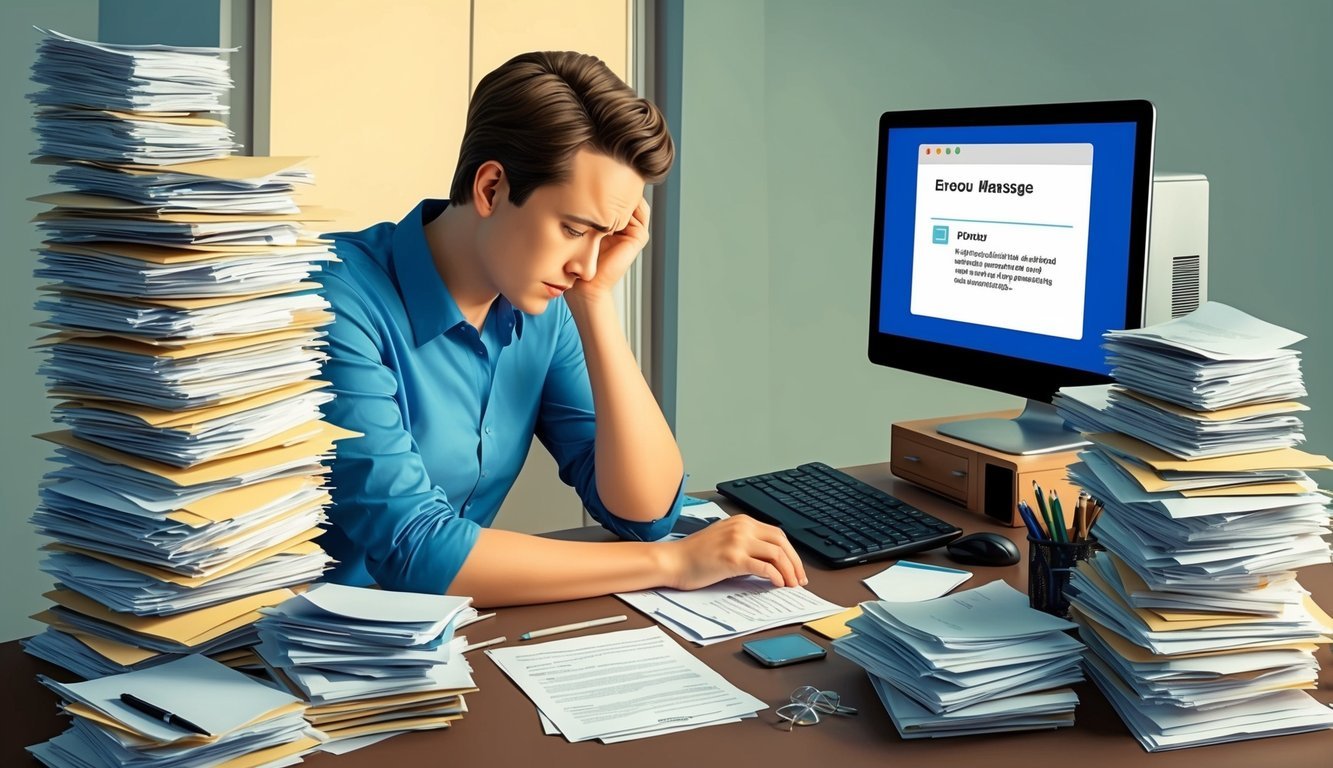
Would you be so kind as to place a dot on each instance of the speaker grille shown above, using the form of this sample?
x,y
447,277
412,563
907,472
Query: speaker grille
x,y
1184,285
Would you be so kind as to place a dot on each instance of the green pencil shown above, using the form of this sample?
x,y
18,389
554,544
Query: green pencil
x,y
1059,514
1045,512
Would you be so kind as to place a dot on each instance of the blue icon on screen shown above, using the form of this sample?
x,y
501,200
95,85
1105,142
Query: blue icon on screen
x,y
940,235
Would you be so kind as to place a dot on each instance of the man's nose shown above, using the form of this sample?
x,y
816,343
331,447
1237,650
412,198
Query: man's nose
x,y
584,264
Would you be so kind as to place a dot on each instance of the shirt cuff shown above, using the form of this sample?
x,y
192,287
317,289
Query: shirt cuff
x,y
428,555
633,530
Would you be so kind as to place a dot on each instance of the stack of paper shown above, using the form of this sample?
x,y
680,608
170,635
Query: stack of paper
x,y
729,609
241,716
978,661
1215,357
190,477
370,661
1200,631
620,686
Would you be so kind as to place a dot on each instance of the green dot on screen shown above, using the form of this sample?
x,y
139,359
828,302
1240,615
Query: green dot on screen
x,y
947,150
958,150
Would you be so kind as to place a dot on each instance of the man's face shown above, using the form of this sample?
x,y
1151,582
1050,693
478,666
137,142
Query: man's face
x,y
532,254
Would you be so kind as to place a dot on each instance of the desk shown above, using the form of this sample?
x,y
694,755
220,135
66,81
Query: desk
x,y
502,727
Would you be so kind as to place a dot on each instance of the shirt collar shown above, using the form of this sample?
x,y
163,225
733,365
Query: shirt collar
x,y
431,309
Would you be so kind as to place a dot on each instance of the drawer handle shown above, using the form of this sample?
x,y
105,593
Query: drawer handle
x,y
958,473
913,459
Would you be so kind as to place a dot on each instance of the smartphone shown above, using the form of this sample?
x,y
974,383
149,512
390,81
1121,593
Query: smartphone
x,y
783,650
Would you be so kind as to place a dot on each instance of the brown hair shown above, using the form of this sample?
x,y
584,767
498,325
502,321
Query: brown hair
x,y
533,113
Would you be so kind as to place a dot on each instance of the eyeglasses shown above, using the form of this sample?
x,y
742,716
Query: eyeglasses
x,y
807,702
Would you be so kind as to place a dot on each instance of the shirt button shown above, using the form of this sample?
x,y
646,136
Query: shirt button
x,y
488,430
483,473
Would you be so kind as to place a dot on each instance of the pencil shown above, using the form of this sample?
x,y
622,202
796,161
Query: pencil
x,y
1030,520
1095,513
1058,516
1045,512
1037,518
485,643
571,627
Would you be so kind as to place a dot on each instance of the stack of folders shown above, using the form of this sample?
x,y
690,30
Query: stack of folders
x,y
189,481
220,717
1200,632
371,663
978,661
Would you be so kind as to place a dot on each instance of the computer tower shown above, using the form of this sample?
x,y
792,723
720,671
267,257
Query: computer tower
x,y
1176,275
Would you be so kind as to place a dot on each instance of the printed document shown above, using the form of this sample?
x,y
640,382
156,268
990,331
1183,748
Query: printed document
x,y
618,683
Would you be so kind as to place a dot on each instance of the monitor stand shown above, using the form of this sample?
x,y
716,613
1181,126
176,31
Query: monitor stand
x,y
1039,429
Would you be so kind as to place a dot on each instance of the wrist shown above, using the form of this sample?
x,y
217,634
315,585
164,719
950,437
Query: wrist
x,y
586,300
667,563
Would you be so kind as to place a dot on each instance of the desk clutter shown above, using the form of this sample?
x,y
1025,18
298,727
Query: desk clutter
x,y
1199,631
620,686
370,662
243,721
188,492
729,609
977,661
188,486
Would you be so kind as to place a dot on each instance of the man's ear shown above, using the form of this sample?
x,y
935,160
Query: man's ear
x,y
487,187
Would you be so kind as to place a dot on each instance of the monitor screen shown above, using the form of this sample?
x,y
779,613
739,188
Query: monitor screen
x,y
1008,240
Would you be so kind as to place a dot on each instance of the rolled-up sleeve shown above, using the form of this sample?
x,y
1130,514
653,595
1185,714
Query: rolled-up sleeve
x,y
386,511
567,427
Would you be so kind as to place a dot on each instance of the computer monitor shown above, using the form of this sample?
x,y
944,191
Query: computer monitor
x,y
1007,241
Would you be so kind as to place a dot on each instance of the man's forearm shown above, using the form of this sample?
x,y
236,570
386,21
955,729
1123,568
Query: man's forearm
x,y
508,568
639,468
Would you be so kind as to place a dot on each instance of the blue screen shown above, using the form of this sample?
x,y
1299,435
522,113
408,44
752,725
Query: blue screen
x,y
1015,242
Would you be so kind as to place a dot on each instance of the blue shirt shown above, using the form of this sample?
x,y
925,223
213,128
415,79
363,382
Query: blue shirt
x,y
448,414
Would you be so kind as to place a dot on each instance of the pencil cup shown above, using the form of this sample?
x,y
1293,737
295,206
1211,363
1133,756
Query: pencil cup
x,y
1049,566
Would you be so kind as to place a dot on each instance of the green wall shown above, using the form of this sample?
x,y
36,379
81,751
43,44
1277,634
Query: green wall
x,y
780,102
186,22
27,411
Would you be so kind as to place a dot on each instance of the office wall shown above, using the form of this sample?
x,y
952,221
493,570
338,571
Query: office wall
x,y
780,105
26,410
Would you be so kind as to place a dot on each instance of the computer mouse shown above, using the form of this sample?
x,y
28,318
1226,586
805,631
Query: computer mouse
x,y
983,548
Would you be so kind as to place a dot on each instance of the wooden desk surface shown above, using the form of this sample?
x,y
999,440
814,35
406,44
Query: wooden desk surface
x,y
501,728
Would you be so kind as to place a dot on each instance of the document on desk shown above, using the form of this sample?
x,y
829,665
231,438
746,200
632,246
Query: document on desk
x,y
908,582
615,684
728,609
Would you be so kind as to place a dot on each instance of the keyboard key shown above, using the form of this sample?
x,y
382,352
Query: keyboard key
x,y
823,508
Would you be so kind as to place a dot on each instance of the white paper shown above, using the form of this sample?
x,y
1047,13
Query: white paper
x,y
908,582
620,683
729,608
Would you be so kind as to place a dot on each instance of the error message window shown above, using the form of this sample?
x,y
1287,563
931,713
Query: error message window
x,y
1001,235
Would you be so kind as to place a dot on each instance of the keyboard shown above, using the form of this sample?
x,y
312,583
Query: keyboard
x,y
842,520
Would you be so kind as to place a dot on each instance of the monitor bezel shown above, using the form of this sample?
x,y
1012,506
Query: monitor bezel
x,y
1016,376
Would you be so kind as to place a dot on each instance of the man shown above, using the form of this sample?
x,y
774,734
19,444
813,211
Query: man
x,y
477,322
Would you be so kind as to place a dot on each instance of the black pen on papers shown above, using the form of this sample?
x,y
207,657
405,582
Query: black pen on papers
x,y
158,713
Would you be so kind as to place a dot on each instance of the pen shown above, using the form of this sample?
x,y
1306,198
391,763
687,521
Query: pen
x,y
571,627
1039,520
1058,515
158,713
485,643
1025,512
